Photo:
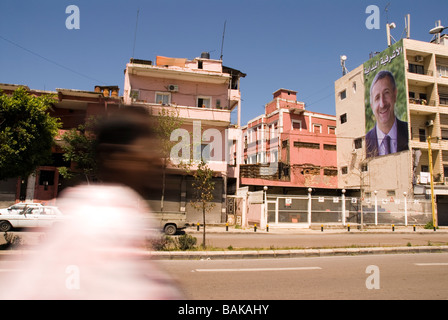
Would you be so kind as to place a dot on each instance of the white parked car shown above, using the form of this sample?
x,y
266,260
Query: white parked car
x,y
31,217
19,207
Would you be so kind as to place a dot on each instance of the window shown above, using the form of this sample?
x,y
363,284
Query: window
x,y
358,143
297,125
274,156
261,157
443,99
253,159
330,147
444,134
46,178
274,130
342,95
206,150
390,193
163,98
364,167
204,102
422,135
330,172
416,68
354,86
317,128
331,130
442,71
134,94
307,145
344,170
343,118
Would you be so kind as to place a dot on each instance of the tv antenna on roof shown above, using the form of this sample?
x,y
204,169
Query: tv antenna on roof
x,y
222,43
135,33
386,10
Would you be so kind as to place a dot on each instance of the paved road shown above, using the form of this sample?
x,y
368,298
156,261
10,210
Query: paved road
x,y
403,276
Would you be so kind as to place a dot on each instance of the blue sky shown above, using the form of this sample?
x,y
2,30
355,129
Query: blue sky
x,y
279,44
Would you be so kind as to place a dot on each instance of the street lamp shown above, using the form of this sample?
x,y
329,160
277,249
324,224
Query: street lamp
x,y
343,207
265,188
376,207
405,208
309,206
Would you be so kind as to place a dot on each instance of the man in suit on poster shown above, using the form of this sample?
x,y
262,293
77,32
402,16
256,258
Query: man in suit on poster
x,y
389,135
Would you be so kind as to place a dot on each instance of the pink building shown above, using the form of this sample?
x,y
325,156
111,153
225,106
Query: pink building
x,y
289,147
204,93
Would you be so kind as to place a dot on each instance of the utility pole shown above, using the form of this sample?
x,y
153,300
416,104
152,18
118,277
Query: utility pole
x,y
432,183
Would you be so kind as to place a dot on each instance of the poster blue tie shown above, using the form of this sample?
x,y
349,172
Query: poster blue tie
x,y
386,142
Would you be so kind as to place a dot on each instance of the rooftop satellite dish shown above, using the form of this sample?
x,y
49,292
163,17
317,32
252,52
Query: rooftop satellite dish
x,y
437,29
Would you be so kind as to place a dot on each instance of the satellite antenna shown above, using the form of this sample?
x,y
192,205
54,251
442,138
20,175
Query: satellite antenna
x,y
344,69
407,23
390,26
437,30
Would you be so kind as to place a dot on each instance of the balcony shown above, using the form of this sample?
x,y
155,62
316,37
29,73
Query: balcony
x,y
416,74
234,97
211,116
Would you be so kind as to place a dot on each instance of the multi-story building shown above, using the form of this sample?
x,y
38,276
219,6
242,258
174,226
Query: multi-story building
x,y
289,149
421,80
203,93
72,107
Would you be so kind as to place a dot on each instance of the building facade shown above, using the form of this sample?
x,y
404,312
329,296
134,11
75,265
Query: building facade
x,y
421,76
203,93
289,149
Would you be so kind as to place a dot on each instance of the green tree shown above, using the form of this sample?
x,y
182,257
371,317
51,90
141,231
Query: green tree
x,y
167,121
27,132
79,146
203,186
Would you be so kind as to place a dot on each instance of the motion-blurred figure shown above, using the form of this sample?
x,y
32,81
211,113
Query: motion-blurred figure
x,y
100,252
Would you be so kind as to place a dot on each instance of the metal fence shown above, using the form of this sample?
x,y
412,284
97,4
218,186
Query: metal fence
x,y
343,210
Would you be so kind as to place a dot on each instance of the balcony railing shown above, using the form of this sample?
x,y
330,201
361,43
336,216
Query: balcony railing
x,y
422,102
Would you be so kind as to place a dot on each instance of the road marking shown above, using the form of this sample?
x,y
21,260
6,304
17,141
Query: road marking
x,y
256,269
431,264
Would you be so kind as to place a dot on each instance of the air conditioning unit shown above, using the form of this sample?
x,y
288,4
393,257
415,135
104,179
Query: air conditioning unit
x,y
173,88
419,59
429,123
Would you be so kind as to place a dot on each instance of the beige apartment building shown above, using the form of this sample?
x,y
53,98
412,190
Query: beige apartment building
x,y
404,175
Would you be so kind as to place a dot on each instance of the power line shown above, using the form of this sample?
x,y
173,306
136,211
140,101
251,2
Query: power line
x,y
51,61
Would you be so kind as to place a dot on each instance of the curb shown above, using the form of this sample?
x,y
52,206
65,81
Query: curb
x,y
298,253
252,254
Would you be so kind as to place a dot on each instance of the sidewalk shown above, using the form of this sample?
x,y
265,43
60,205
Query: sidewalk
x,y
316,229
280,253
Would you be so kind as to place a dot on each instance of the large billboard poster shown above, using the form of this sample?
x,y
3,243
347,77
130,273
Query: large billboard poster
x,y
386,102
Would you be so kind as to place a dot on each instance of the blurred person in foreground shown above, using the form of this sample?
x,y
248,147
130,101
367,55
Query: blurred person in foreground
x,y
100,251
